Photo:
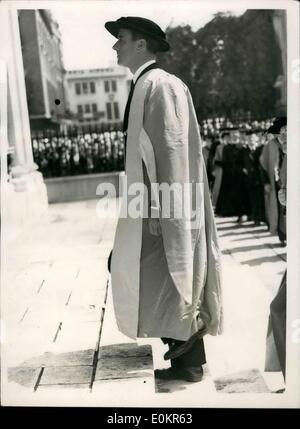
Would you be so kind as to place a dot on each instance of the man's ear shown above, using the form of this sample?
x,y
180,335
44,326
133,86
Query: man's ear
x,y
142,44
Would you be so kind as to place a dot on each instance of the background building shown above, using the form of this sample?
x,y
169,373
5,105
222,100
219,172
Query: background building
x,y
43,67
97,95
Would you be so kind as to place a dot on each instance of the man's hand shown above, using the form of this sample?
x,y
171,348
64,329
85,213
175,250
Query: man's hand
x,y
154,226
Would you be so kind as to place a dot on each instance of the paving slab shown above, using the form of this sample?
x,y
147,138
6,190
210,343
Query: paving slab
x,y
126,350
66,375
49,359
243,382
119,367
23,376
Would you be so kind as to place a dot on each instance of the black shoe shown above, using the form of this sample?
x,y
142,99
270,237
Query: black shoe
x,y
193,375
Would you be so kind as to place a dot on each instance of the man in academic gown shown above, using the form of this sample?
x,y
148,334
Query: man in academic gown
x,y
226,203
256,182
209,151
165,268
243,167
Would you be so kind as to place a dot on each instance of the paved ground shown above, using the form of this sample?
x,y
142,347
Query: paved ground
x,y
61,343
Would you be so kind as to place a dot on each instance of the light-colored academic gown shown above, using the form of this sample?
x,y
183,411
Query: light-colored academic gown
x,y
167,285
269,162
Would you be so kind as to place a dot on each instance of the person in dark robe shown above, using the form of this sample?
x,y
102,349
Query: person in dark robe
x,y
210,162
257,184
217,166
243,177
249,181
226,203
209,150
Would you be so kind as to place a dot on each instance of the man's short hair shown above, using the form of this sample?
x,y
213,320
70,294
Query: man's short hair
x,y
152,44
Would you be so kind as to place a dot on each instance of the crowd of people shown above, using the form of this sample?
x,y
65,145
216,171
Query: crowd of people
x,y
246,168
84,153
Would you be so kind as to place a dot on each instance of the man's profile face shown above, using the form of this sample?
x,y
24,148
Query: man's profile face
x,y
126,48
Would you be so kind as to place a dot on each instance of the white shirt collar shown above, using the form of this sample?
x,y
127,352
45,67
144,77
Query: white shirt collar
x,y
140,69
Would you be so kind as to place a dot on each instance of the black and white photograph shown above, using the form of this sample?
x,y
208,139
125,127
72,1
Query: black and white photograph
x,y
150,204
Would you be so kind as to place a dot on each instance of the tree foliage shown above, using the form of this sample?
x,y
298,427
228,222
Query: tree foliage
x,y
230,65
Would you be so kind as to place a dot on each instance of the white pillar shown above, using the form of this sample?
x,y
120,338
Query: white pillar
x,y
24,190
11,53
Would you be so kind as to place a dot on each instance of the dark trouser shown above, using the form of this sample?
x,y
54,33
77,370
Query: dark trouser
x,y
193,358
257,203
242,203
278,322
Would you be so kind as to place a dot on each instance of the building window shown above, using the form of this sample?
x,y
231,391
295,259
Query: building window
x,y
85,88
94,107
77,88
116,111
79,109
106,85
92,87
114,86
109,111
87,108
